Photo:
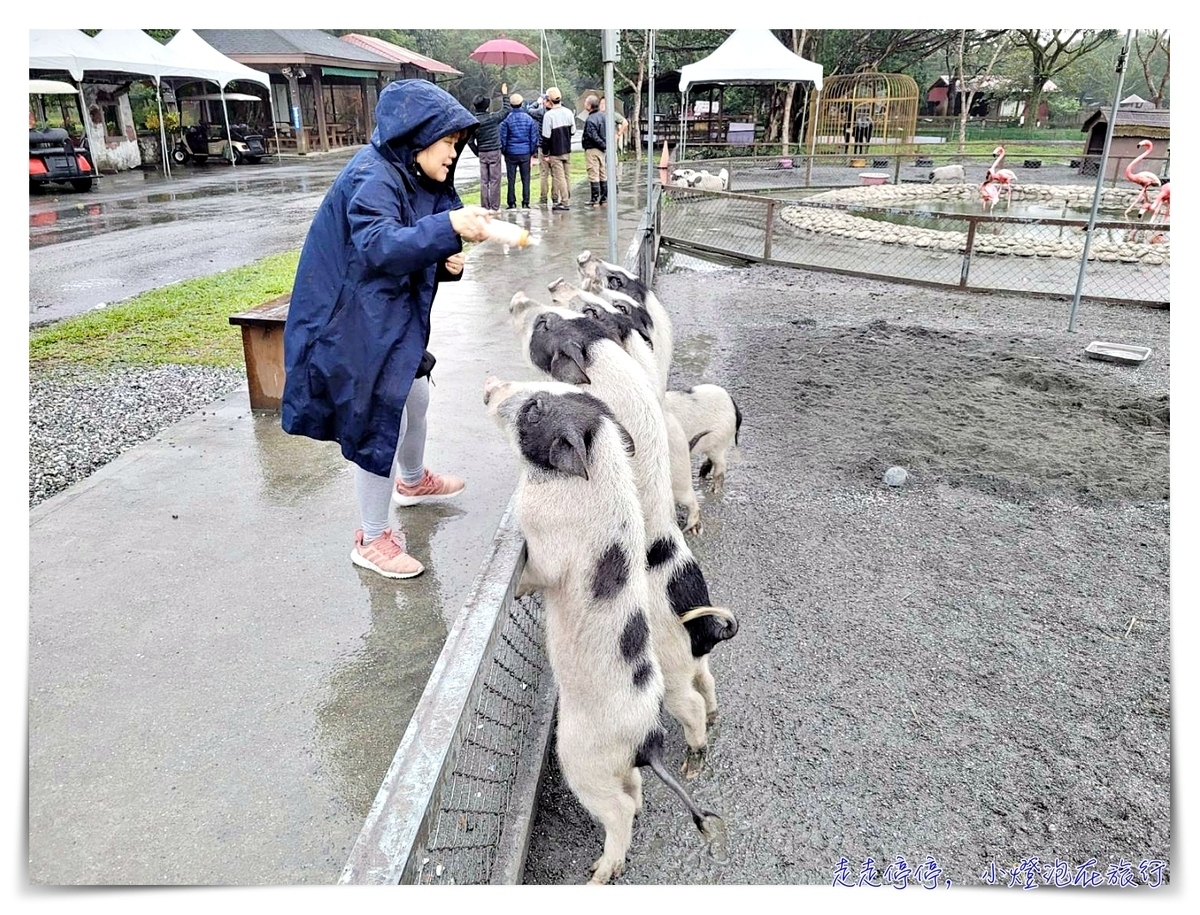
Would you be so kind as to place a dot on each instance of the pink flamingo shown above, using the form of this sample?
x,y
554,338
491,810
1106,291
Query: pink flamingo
x,y
989,192
1160,210
1146,180
1002,176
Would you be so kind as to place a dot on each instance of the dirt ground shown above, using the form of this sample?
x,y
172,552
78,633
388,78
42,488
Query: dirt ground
x,y
972,667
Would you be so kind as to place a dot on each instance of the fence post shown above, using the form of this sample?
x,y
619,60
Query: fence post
x,y
966,264
896,180
770,229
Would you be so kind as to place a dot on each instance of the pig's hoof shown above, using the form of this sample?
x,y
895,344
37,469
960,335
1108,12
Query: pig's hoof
x,y
712,717
604,870
693,763
695,528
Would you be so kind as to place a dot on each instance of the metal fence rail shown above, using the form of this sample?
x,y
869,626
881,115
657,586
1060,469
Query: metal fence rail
x,y
799,171
1129,262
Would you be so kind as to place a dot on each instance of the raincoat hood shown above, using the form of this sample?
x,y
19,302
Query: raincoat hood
x,y
413,114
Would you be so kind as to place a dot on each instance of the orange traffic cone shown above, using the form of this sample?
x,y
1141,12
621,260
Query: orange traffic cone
x,y
664,164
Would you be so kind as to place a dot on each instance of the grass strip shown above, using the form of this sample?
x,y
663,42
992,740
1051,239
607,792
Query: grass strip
x,y
185,323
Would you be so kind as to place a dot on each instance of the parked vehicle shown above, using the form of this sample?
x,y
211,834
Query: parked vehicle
x,y
200,142
206,139
54,157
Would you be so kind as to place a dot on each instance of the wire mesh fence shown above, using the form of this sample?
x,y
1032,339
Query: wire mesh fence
x,y
913,234
467,833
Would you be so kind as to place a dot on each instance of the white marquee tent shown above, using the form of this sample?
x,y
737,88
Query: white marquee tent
x,y
749,56
187,55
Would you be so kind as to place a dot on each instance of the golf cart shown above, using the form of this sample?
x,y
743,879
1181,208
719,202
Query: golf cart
x,y
201,141
53,155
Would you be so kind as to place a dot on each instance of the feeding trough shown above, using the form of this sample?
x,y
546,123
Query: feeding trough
x,y
872,178
1117,352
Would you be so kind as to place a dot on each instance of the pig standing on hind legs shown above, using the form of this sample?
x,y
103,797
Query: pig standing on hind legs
x,y
575,476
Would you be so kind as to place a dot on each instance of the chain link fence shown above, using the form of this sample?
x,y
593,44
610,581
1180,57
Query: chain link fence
x,y
903,236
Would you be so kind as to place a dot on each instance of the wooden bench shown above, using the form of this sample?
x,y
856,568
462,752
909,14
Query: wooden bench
x,y
262,342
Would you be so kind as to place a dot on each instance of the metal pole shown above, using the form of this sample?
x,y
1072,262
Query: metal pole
x,y
610,141
650,135
228,132
812,149
162,129
1108,135
542,61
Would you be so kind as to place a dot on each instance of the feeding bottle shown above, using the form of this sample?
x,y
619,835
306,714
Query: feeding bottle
x,y
509,233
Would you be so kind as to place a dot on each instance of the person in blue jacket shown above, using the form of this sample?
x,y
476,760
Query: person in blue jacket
x,y
357,369
520,137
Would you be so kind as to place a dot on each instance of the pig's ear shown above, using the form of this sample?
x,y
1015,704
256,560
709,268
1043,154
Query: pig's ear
x,y
567,364
568,454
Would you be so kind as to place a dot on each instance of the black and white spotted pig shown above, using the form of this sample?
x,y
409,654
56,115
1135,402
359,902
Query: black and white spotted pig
x,y
576,478
600,276
582,352
630,323
712,422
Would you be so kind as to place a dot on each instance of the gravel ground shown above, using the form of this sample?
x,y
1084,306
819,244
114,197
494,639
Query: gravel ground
x,y
80,420
973,666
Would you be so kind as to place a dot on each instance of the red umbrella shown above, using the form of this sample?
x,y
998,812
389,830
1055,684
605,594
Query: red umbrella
x,y
503,51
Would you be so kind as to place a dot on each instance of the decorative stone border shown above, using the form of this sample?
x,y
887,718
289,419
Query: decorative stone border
x,y
846,225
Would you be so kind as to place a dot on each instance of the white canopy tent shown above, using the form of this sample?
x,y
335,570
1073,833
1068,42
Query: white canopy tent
x,y
210,64
747,56
142,54
70,50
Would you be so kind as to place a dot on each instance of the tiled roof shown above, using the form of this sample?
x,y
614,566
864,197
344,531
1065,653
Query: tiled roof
x,y
289,42
400,55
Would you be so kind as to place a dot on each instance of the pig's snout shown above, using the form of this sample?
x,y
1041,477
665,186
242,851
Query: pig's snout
x,y
490,384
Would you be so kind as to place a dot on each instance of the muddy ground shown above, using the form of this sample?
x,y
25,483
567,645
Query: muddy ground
x,y
973,666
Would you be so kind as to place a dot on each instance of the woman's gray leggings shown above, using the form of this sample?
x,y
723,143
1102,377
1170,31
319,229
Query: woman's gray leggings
x,y
375,492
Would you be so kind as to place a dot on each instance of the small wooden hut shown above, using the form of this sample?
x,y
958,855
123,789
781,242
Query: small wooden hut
x,y
1133,124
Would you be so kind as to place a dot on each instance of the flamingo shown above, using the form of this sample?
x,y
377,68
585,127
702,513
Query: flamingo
x,y
989,192
1002,176
1146,180
1160,210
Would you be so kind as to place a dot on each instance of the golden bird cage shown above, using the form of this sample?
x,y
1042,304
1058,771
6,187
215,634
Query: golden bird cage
x,y
859,110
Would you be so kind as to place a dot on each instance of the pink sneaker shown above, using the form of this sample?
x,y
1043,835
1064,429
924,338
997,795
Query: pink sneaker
x,y
433,487
385,555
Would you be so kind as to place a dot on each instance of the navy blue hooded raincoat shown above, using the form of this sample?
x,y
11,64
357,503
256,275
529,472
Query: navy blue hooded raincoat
x,y
358,322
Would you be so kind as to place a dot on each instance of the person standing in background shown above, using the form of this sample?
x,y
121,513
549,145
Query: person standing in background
x,y
594,145
520,138
538,113
486,144
558,126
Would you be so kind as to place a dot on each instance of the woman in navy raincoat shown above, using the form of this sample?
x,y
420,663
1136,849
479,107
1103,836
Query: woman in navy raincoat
x,y
388,231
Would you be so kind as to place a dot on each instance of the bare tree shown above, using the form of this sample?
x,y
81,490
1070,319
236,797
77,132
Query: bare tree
x,y
979,73
1157,40
1051,51
799,37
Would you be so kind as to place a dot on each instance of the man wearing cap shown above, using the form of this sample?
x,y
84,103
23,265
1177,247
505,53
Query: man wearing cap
x,y
558,126
519,138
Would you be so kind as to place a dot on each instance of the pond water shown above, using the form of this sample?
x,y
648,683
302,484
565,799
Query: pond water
x,y
916,214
